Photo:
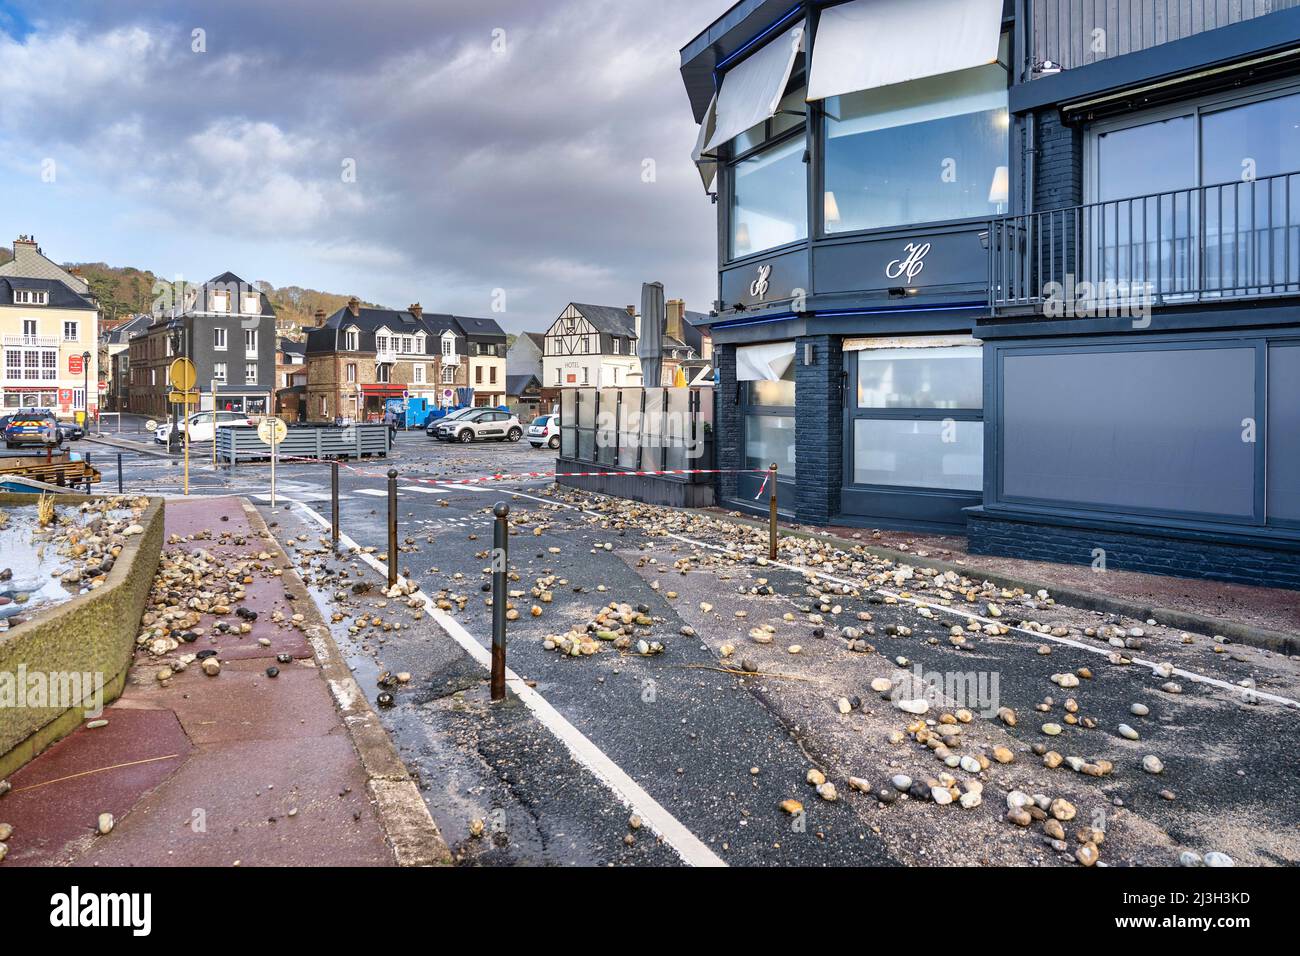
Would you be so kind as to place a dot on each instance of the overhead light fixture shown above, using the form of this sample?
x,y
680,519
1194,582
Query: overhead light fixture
x,y
1047,67
999,187
742,237
831,207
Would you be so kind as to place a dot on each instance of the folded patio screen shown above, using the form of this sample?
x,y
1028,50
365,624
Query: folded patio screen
x,y
751,91
867,44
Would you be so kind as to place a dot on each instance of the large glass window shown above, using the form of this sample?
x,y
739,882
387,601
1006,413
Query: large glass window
x,y
766,377
917,418
919,453
1137,431
922,151
921,378
769,199
768,439
1222,197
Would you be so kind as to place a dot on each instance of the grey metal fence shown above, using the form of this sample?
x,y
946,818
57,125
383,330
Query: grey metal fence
x,y
240,443
1229,240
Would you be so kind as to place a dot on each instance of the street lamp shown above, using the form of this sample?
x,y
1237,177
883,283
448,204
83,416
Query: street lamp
x,y
85,394
177,336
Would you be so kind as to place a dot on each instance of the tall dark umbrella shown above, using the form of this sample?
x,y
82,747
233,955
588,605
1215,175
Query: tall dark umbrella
x,y
650,346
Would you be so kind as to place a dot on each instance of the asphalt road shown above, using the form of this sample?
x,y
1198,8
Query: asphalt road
x,y
720,753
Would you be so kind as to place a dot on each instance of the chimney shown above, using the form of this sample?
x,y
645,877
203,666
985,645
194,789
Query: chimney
x,y
631,310
675,310
25,248
415,309
354,306
320,317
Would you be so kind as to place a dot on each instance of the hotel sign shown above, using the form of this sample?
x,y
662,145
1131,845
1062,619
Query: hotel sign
x,y
770,281
919,263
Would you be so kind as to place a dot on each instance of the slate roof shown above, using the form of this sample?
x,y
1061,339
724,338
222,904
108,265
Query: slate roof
x,y
228,281
122,333
608,319
61,296
516,384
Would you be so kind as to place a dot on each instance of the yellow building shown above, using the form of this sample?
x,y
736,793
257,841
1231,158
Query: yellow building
x,y
49,328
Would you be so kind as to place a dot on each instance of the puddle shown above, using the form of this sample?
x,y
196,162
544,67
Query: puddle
x,y
30,563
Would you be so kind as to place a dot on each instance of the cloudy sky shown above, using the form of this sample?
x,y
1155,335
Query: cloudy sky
x,y
496,144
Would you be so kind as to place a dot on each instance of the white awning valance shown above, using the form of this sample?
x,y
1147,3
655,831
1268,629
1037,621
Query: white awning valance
x,y
866,44
706,164
764,363
751,91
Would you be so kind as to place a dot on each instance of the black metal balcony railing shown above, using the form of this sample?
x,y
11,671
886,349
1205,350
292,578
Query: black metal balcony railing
x,y
1073,33
1225,241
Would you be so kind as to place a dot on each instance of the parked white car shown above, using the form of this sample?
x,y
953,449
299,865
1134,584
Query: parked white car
x,y
479,425
202,426
544,430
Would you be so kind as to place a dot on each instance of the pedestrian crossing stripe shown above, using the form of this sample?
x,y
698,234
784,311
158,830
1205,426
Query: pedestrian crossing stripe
x,y
308,496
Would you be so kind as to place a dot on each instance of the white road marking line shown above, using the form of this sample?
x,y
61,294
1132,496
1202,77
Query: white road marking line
x,y
374,492
686,844
1193,676
424,490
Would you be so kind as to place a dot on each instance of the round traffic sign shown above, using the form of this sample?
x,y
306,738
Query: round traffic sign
x,y
151,426
182,375
272,430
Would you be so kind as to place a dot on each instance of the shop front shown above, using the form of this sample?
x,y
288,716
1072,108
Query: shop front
x,y
854,196
961,289
375,398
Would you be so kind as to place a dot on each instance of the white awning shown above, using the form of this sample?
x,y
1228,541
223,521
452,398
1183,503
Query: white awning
x,y
707,165
763,363
866,44
752,90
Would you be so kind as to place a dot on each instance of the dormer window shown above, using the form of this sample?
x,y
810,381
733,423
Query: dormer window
x,y
31,297
219,301
252,304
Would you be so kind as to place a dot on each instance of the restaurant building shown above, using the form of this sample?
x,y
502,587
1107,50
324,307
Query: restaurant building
x,y
1023,270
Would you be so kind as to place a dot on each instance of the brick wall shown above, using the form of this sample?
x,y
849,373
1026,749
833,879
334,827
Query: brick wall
x,y
1058,177
1188,557
818,429
728,425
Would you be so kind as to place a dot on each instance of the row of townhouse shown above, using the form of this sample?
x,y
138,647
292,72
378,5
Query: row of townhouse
x,y
49,327
360,357
1026,270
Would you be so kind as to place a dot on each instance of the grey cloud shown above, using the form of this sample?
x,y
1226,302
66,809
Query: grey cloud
x,y
475,169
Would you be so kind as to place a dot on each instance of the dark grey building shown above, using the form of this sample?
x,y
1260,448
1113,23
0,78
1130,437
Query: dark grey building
x,y
226,327
1022,269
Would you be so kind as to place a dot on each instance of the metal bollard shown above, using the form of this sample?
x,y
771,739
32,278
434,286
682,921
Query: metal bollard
x,y
500,565
392,526
88,490
119,470
334,502
771,519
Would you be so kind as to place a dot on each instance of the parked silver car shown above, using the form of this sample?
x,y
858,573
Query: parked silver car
x,y
481,424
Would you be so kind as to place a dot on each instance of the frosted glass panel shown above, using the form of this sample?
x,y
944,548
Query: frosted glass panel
x,y
945,455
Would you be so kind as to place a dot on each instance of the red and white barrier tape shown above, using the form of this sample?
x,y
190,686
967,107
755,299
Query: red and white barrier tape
x,y
533,475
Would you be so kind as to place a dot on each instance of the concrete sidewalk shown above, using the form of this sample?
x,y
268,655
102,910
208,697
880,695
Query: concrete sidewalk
x,y
241,768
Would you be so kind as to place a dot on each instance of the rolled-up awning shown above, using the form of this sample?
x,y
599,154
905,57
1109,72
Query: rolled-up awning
x,y
752,90
764,363
706,162
866,44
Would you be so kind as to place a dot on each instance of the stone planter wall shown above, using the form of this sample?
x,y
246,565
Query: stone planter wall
x,y
92,633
